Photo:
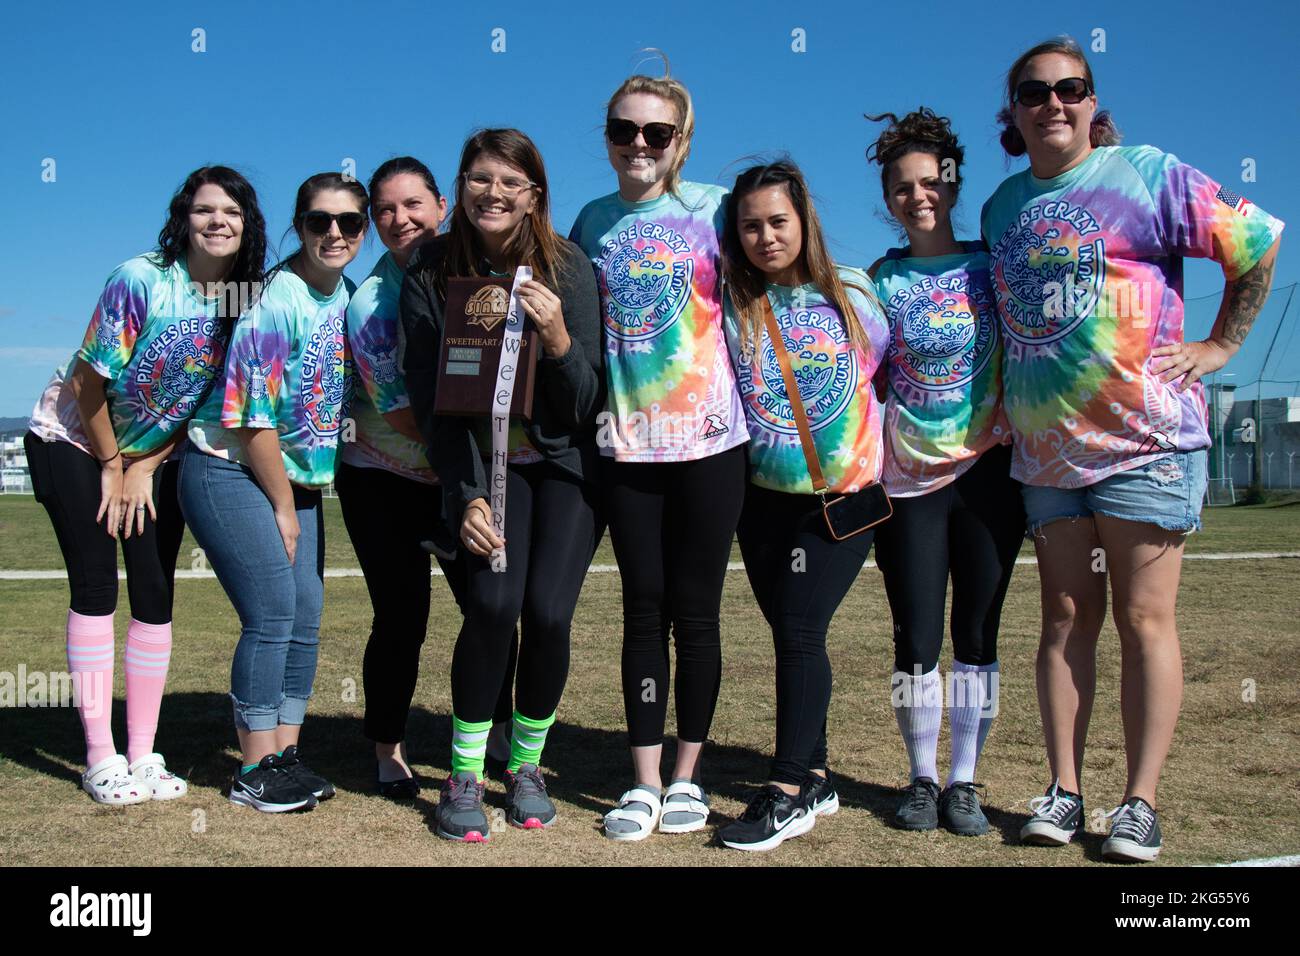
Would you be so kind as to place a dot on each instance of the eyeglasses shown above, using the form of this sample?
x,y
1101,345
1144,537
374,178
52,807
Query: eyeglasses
x,y
511,186
1035,92
622,132
318,222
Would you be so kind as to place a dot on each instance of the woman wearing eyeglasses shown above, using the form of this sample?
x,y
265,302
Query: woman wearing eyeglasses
x,y
674,468
261,449
1106,407
501,222
957,513
99,437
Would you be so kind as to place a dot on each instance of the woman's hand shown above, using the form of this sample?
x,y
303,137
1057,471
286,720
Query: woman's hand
x,y
137,498
286,520
1191,360
543,306
476,529
110,496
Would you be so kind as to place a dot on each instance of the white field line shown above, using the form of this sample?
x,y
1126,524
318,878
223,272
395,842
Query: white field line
x,y
613,568
1267,861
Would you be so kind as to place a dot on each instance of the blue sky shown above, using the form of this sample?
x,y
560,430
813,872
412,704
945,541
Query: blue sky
x,y
125,108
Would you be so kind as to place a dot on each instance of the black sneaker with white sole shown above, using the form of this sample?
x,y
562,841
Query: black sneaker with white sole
x,y
771,818
819,795
1058,816
1134,833
267,787
308,779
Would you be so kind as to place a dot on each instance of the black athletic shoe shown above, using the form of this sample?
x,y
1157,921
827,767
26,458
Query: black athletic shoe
x,y
919,808
292,764
1134,834
1058,816
267,787
771,818
819,795
959,810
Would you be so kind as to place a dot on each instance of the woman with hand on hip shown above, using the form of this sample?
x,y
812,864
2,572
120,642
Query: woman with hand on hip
x,y
829,338
500,226
957,511
261,449
99,437
1106,407
673,465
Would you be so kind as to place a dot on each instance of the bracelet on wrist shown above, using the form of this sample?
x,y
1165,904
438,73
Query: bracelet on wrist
x,y
109,461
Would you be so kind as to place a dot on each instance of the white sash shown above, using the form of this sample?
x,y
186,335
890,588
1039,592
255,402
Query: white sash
x,y
501,401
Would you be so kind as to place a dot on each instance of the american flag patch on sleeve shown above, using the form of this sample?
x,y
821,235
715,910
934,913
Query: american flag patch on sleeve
x,y
1233,201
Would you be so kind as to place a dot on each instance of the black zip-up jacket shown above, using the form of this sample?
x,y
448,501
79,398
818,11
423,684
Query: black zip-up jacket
x,y
569,393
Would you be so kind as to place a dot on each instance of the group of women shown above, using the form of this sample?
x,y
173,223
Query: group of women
x,y
706,373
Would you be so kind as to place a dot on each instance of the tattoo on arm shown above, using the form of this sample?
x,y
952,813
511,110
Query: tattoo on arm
x,y
1244,299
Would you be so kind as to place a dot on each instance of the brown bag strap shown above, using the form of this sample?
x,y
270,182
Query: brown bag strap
x,y
796,400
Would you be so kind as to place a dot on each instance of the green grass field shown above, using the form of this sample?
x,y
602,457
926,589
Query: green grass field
x,y
1229,789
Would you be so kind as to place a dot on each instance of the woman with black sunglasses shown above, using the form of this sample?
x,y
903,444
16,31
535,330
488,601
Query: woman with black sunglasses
x,y
1106,407
261,449
671,439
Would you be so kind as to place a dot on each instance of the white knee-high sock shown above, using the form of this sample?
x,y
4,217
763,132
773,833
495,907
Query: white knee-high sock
x,y
918,707
972,705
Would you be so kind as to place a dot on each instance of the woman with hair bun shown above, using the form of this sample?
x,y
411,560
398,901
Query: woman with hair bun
x,y
101,449
957,512
1106,407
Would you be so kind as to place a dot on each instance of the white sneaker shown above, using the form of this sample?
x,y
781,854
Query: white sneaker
x,y
110,782
151,771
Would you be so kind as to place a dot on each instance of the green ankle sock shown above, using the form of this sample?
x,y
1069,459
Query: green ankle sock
x,y
527,738
468,745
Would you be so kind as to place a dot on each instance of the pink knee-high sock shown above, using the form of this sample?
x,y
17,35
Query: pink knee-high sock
x,y
90,661
148,652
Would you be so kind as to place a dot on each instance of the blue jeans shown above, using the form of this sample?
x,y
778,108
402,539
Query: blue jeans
x,y
279,604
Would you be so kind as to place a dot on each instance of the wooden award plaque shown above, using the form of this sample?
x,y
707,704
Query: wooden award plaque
x,y
474,324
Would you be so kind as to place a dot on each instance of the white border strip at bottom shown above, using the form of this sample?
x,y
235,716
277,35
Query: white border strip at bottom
x,y
1267,861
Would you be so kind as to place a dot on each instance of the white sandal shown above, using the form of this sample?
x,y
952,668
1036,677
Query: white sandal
x,y
151,771
110,782
686,798
629,809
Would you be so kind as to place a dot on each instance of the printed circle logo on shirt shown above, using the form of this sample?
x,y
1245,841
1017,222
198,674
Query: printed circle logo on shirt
x,y
945,329
647,272
825,372
322,377
1048,270
178,366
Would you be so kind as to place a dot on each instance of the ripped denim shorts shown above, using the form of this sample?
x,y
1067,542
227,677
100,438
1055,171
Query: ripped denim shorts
x,y
1167,492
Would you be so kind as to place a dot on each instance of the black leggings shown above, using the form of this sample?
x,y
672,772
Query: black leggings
x,y
672,524
66,481
387,517
551,527
799,574
972,528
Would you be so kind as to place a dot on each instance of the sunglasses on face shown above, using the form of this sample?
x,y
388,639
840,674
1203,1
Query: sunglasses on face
x,y
1070,91
317,222
622,132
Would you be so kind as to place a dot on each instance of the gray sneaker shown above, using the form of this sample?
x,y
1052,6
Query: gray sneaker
x,y
530,807
919,808
959,810
459,815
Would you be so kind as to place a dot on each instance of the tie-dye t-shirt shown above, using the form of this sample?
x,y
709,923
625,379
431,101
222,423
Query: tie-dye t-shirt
x,y
943,405
287,369
672,392
159,346
834,379
1087,272
379,388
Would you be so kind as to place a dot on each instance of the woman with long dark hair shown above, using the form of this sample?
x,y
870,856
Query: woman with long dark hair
x,y
100,451
1106,407
957,512
500,226
832,337
261,449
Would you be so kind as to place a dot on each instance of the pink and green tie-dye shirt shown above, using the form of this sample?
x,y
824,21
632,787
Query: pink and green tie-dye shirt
x,y
288,368
672,391
157,343
834,380
379,387
1087,272
943,402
